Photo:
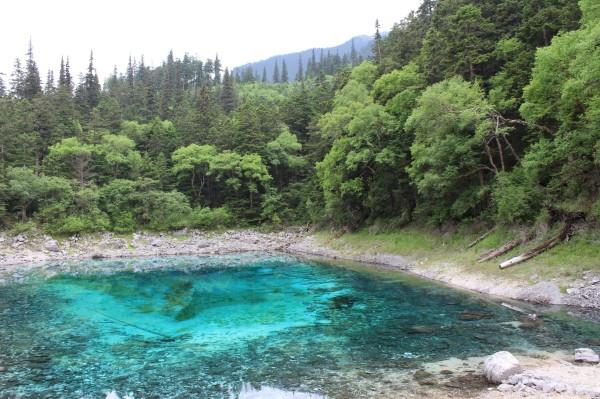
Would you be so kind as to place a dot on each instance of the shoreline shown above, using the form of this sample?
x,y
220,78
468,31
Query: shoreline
x,y
448,378
33,251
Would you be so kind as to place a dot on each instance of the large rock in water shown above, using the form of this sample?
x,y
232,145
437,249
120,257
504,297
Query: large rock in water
x,y
500,366
586,355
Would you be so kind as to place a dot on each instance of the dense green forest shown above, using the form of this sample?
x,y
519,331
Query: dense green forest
x,y
469,110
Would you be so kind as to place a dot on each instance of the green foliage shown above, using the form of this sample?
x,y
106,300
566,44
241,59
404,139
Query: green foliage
x,y
164,210
563,96
450,123
210,218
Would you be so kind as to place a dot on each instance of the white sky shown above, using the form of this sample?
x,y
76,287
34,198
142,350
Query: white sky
x,y
239,30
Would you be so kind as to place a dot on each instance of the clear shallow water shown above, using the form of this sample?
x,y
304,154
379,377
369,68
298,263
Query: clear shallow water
x,y
242,326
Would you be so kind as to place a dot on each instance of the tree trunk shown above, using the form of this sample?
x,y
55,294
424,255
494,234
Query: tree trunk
x,y
501,250
546,245
480,238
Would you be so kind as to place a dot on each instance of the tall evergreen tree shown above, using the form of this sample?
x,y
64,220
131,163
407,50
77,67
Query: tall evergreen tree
x,y
300,74
284,72
264,75
49,87
92,84
32,85
68,77
377,43
17,82
353,55
217,68
228,99
276,76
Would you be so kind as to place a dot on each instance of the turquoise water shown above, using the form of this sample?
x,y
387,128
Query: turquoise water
x,y
223,327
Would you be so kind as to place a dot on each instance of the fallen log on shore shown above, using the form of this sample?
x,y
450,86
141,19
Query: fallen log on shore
x,y
480,238
494,253
546,245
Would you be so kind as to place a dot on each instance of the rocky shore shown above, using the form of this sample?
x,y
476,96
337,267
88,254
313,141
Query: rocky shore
x,y
30,250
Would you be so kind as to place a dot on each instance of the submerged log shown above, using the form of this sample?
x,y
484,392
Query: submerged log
x,y
480,238
546,245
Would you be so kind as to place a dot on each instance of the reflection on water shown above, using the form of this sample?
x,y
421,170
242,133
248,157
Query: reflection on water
x,y
268,327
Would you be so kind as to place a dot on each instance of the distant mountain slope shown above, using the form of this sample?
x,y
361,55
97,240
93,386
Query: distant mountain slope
x,y
362,45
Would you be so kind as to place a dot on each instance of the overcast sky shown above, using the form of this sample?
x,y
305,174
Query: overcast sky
x,y
239,30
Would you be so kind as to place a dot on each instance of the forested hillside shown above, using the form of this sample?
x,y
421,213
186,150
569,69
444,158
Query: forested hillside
x,y
313,61
467,111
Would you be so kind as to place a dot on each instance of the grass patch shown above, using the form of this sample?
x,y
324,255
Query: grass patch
x,y
564,263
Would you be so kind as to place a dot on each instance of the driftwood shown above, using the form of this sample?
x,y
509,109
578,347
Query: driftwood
x,y
494,253
513,307
480,238
546,245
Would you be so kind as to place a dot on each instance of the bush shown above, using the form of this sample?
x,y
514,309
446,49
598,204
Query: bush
x,y
23,227
517,197
208,219
164,210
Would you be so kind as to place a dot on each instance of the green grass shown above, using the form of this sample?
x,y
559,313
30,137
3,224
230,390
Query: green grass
x,y
564,263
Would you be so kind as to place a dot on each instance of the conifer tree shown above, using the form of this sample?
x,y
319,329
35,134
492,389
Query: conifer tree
x,y
17,80
49,87
284,73
377,43
62,80
276,76
353,55
264,75
2,86
300,75
228,99
68,78
92,85
217,70
32,85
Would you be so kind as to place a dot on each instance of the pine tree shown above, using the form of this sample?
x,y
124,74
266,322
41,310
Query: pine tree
x,y
264,75
68,78
248,75
313,64
2,86
62,81
32,85
353,55
91,87
284,73
49,87
17,80
208,71
377,43
276,76
300,75
228,99
217,69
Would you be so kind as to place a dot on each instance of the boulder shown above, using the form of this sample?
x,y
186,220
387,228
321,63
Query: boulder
x,y
544,292
51,245
500,366
586,355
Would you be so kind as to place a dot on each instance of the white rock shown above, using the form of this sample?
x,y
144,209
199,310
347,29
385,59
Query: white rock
x,y
500,366
586,355
51,245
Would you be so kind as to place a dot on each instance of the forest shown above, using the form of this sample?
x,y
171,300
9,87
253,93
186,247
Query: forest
x,y
467,111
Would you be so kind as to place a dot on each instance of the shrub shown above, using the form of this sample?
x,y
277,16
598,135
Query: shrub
x,y
210,218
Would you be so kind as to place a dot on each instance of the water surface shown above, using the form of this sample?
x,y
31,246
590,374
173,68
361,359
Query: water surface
x,y
244,326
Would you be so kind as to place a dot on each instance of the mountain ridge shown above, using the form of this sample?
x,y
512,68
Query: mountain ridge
x,y
361,43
